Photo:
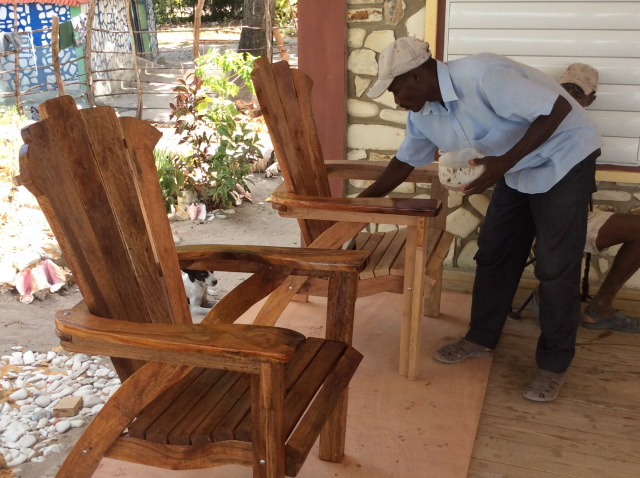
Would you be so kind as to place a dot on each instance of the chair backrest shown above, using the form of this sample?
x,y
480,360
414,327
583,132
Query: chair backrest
x,y
123,257
284,95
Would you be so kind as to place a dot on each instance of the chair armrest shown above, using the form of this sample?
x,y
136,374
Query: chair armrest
x,y
189,344
362,169
222,257
391,206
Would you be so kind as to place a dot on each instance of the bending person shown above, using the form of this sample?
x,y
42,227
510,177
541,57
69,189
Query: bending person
x,y
540,155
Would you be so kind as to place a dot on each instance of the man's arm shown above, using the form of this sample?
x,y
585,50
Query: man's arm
x,y
393,175
539,131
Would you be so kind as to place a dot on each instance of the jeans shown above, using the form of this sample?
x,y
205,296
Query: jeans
x,y
557,219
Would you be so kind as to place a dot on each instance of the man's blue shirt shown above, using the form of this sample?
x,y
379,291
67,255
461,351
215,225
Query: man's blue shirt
x,y
489,103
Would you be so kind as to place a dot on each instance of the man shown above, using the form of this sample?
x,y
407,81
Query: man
x,y
606,229
539,154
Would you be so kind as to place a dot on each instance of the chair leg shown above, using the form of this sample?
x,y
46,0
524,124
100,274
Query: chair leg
x,y
267,408
416,299
407,300
341,299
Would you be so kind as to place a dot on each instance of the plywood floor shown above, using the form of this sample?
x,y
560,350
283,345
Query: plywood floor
x,y
396,428
401,429
591,431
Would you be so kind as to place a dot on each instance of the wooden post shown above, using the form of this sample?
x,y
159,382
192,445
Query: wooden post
x,y
136,68
197,22
55,53
87,52
16,55
268,28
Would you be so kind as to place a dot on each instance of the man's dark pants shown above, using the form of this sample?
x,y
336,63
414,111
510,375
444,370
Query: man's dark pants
x,y
558,221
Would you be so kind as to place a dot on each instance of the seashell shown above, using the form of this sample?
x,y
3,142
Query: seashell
x,y
39,279
56,275
23,286
192,211
202,212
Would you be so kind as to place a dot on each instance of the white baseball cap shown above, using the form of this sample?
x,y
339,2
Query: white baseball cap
x,y
401,56
585,76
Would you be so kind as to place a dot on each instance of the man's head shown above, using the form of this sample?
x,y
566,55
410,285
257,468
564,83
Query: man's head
x,y
581,82
403,71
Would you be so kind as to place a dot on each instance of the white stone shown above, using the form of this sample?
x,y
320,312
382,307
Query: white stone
x,y
362,109
415,24
42,401
14,432
27,441
355,37
19,460
363,62
77,423
102,372
395,116
609,195
51,356
455,199
480,202
356,154
19,394
386,99
361,85
405,188
465,258
461,222
96,409
374,136
56,448
63,426
379,39
28,357
90,401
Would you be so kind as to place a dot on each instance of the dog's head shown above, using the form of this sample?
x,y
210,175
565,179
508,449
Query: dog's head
x,y
206,277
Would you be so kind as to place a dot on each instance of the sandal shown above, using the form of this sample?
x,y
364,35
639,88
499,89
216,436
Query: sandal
x,y
617,321
460,350
545,386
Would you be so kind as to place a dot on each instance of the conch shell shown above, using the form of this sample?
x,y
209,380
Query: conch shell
x,y
23,286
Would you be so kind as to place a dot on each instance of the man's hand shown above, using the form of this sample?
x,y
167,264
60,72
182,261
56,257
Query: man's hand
x,y
495,168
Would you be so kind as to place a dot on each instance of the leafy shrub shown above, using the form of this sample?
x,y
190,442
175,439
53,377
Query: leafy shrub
x,y
170,176
222,140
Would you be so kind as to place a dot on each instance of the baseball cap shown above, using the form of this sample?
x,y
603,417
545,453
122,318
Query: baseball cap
x,y
399,57
585,76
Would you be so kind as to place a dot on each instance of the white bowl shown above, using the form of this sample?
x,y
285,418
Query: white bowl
x,y
454,169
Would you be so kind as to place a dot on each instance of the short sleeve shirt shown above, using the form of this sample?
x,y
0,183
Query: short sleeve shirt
x,y
489,103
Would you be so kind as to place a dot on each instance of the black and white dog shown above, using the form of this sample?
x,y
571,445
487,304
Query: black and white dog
x,y
196,284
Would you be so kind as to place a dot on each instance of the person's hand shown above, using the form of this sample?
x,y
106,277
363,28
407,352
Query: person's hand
x,y
495,168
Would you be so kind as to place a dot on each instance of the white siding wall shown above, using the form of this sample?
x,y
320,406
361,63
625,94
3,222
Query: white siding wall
x,y
550,35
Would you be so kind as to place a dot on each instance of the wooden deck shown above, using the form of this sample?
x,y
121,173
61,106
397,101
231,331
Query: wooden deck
x,y
427,428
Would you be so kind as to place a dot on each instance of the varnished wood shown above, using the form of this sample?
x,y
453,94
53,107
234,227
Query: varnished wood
x,y
188,390
284,95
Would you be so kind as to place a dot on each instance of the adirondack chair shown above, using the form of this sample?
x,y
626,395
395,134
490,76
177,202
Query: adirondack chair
x,y
193,395
406,261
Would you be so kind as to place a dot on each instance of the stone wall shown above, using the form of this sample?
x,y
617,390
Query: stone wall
x,y
375,129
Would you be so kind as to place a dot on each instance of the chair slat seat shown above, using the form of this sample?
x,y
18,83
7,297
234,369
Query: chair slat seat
x,y
188,414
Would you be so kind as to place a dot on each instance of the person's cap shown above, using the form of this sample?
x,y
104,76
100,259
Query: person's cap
x,y
403,55
585,76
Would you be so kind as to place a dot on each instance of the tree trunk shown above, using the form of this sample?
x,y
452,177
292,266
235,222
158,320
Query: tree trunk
x,y
256,36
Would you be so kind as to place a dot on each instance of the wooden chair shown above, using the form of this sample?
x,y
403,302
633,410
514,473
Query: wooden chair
x,y
406,261
193,396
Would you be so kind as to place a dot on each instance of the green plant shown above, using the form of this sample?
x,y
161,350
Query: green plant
x,y
222,140
286,13
10,123
170,176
